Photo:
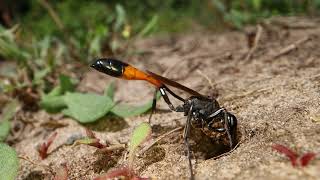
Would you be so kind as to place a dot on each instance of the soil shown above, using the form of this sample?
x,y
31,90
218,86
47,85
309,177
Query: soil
x,y
274,92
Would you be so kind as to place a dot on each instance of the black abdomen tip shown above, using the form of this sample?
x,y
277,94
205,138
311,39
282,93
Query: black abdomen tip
x,y
110,66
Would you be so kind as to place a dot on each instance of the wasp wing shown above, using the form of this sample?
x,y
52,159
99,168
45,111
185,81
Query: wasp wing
x,y
174,84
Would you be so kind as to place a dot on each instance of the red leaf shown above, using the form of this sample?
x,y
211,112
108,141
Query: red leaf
x,y
62,173
288,152
306,158
124,173
90,134
43,149
96,144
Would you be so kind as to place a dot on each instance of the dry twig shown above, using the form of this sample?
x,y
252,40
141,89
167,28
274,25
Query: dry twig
x,y
157,140
206,77
111,148
291,47
255,43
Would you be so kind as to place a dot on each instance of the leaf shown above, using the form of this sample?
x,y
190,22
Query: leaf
x,y
66,84
9,162
8,112
109,91
53,104
120,18
54,101
4,130
306,158
288,152
39,75
219,6
43,149
87,141
256,4
121,173
90,140
90,134
125,111
150,26
139,135
87,108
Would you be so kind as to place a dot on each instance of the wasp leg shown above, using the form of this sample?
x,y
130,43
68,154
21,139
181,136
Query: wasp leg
x,y
154,104
166,98
226,127
173,94
186,141
217,112
211,122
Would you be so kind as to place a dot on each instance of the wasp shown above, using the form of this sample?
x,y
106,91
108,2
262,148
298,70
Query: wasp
x,y
203,112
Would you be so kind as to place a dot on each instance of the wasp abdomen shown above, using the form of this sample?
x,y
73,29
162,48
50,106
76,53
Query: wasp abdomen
x,y
112,67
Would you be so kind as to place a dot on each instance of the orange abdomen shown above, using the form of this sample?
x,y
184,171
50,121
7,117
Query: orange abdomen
x,y
131,73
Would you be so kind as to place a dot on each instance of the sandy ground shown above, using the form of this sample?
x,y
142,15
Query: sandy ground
x,y
274,93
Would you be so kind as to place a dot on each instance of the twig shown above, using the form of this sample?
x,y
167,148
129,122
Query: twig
x,y
111,148
206,77
157,140
291,47
255,44
34,163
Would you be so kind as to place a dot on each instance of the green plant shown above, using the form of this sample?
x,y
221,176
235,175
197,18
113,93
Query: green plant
x,y
140,134
88,107
9,162
7,113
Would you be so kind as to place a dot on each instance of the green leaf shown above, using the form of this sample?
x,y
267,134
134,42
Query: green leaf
x,y
66,84
4,130
256,4
56,91
150,26
124,111
86,141
87,108
219,6
54,101
139,135
8,112
53,104
9,162
109,91
120,18
39,75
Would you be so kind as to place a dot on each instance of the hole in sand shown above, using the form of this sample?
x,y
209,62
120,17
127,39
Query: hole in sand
x,y
205,147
